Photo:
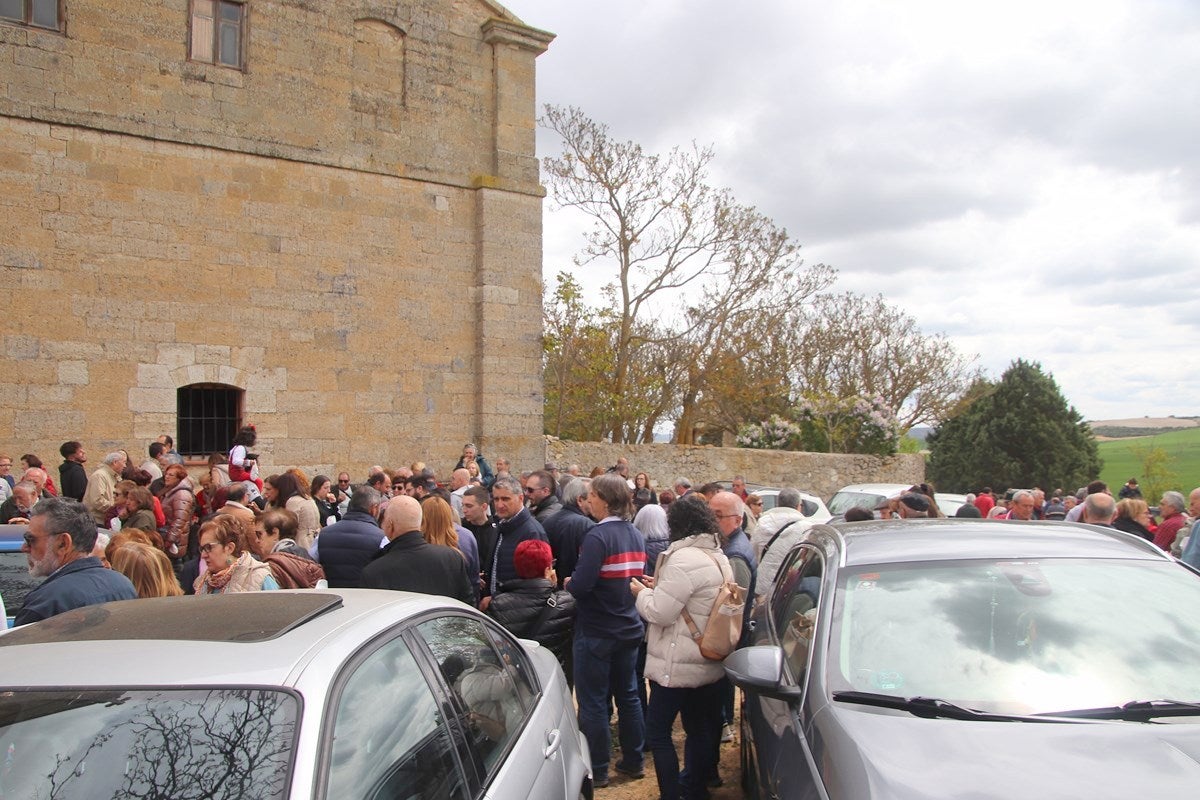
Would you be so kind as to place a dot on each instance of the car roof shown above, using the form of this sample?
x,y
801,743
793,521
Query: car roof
x,y
775,492
255,638
902,541
12,537
885,489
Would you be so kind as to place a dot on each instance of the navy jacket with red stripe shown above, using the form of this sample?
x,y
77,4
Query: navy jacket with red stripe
x,y
613,552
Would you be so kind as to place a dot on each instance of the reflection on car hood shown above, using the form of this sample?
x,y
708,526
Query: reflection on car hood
x,y
869,753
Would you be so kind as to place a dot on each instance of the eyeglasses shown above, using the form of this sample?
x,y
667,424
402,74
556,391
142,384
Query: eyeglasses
x,y
208,548
728,516
397,487
343,481
31,539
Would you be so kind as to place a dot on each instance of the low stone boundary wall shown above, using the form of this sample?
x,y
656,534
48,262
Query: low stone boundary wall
x,y
821,474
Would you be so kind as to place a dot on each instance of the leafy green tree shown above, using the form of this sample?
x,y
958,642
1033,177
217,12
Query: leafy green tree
x,y
1156,473
1018,434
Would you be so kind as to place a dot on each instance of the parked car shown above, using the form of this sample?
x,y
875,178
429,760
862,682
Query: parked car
x,y
864,495
949,503
949,659
289,694
812,506
15,580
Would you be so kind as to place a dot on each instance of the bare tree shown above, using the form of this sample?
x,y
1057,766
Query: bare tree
x,y
848,344
663,231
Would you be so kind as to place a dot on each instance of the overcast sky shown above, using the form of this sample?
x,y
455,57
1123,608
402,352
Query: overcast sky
x,y
1022,176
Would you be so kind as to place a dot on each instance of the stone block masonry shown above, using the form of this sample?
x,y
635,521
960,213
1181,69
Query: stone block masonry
x,y
357,252
821,474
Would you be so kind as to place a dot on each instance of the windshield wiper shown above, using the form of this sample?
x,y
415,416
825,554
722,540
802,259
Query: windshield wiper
x,y
1134,710
928,707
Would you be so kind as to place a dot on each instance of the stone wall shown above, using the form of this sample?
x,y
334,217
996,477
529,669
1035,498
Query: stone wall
x,y
821,474
357,250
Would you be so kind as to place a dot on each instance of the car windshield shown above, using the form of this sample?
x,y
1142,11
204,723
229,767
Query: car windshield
x,y
842,502
191,743
1018,637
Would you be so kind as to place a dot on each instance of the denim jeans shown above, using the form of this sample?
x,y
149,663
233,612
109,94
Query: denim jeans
x,y
601,664
700,708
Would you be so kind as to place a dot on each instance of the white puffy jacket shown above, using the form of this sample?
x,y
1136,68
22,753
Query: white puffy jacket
x,y
685,578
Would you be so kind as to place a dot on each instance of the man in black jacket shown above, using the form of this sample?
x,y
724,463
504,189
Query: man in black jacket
x,y
410,564
72,477
566,529
514,524
540,493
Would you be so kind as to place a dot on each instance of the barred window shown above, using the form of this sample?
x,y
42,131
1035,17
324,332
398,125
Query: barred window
x,y
35,13
209,416
218,32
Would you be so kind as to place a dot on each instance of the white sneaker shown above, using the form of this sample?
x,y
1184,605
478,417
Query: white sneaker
x,y
726,733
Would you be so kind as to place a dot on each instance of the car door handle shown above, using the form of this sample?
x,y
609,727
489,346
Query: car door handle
x,y
553,743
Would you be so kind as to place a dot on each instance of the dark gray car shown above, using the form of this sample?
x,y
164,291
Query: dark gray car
x,y
950,659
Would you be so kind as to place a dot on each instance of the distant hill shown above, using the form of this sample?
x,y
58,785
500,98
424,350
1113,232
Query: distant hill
x,y
1141,426
920,432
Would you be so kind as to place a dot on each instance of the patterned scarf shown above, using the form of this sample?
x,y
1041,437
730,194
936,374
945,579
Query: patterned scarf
x,y
217,581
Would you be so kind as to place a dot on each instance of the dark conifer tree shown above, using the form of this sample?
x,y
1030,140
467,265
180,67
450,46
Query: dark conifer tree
x,y
1019,433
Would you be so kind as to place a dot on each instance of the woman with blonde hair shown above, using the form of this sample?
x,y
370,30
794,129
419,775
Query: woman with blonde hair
x,y
437,527
1133,516
148,568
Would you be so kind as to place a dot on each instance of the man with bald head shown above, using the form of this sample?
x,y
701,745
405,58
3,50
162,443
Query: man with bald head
x,y
1099,509
410,564
460,481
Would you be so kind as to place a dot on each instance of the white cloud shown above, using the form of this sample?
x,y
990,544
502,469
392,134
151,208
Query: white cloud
x,y
1022,176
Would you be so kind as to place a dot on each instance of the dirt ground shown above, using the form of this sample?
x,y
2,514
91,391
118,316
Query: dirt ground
x,y
623,788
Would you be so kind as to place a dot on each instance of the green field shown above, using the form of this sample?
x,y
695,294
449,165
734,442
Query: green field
x,y
1121,460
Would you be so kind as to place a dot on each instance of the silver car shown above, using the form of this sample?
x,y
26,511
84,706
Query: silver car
x,y
306,694
964,658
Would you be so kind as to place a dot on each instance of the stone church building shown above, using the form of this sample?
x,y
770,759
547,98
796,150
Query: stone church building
x,y
319,216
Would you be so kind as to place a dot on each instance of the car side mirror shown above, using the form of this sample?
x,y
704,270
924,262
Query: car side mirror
x,y
760,669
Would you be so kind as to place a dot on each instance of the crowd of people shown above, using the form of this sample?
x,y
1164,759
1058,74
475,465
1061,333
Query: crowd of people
x,y
1169,525
609,571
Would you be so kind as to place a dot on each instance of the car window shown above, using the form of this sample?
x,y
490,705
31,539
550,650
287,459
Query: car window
x,y
794,607
15,580
493,708
389,738
225,743
517,663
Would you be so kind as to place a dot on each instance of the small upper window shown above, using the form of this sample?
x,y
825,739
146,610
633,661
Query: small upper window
x,y
36,13
218,31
